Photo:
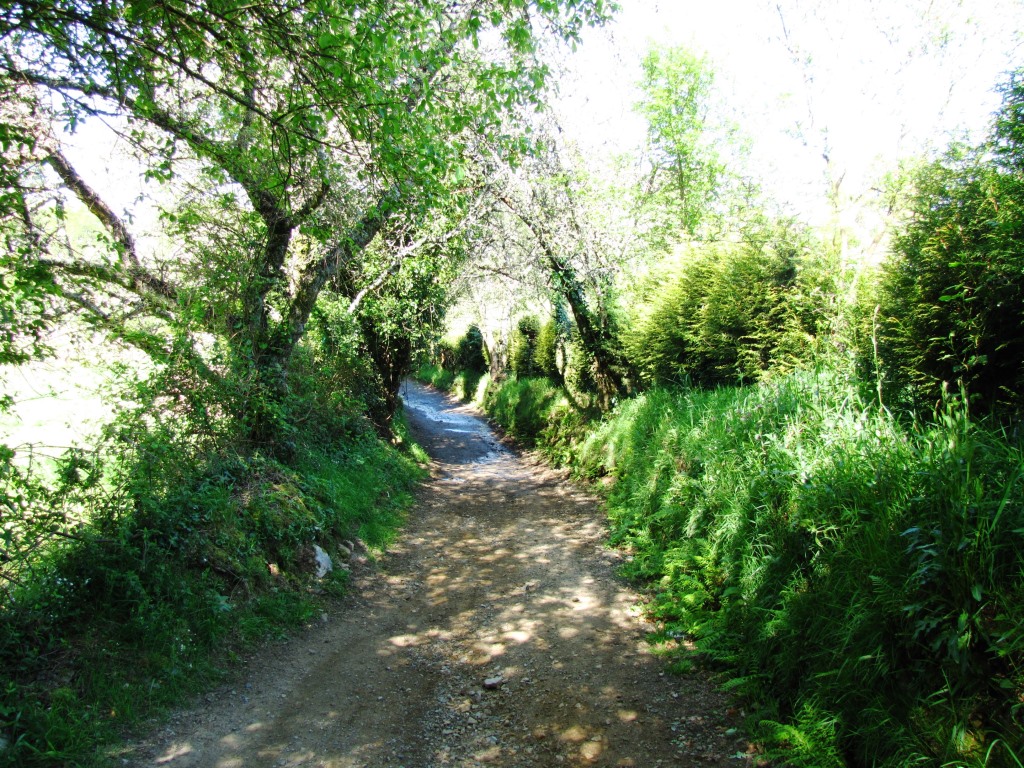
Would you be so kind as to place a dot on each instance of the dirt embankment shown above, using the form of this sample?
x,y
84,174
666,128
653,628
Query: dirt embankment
x,y
495,633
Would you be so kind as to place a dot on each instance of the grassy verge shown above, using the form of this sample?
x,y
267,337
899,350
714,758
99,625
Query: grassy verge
x,y
185,561
859,579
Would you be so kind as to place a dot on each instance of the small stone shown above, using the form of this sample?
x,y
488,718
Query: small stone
x,y
324,564
492,683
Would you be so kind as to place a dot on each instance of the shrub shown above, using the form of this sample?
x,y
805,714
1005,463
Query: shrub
x,y
435,376
733,314
579,380
524,348
952,297
545,356
177,542
469,352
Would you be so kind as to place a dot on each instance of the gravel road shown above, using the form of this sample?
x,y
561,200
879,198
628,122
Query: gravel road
x,y
495,632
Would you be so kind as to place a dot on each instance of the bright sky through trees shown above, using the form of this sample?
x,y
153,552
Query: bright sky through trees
x,y
865,82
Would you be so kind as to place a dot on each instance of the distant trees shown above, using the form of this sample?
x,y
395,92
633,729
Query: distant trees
x,y
684,165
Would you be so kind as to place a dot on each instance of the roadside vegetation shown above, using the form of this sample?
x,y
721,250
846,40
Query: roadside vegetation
x,y
818,471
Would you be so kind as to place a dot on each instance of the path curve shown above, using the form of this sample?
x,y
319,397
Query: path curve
x,y
495,632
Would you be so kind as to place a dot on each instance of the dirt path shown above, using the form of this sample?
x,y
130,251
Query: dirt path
x,y
495,633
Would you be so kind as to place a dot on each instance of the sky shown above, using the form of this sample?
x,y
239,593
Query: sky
x,y
866,82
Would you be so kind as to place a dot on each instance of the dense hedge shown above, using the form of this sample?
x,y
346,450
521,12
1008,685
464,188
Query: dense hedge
x,y
952,295
733,313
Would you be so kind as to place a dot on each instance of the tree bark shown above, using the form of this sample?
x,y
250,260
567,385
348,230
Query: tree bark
x,y
594,335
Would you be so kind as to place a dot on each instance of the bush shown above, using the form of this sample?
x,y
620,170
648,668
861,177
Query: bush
x,y
435,376
524,348
545,356
858,577
732,315
579,380
952,294
469,352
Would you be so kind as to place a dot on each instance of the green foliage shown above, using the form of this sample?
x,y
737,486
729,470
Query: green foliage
x,y
466,354
578,378
676,88
952,295
435,376
857,577
524,408
173,544
469,351
732,314
549,345
524,347
467,386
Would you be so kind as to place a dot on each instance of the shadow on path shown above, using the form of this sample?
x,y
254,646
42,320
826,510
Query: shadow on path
x,y
495,633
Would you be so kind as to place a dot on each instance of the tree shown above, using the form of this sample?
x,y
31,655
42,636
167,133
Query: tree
x,y
544,200
685,170
308,126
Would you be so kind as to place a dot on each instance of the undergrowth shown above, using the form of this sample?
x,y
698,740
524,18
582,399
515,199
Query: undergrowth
x,y
169,552
857,576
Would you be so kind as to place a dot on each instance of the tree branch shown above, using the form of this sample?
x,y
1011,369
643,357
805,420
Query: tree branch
x,y
316,274
133,275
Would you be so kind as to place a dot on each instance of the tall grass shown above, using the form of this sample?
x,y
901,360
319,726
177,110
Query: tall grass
x,y
860,577
525,407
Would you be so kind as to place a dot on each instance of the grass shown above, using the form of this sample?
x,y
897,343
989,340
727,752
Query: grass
x,y
525,407
856,574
